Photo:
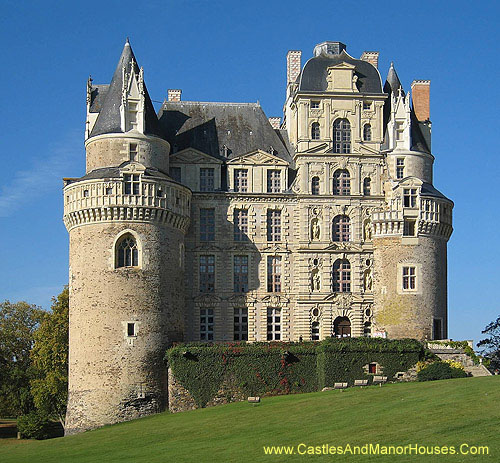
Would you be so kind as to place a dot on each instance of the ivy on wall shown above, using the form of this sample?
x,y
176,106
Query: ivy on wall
x,y
282,368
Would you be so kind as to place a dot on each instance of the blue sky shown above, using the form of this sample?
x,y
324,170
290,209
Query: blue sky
x,y
235,51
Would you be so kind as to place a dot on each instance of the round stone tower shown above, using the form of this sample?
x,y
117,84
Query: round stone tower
x,y
126,220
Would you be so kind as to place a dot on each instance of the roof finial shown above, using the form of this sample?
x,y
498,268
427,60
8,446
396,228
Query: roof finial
x,y
392,64
127,42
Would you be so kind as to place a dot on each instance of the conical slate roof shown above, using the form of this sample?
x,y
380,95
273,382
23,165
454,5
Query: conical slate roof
x,y
109,120
392,83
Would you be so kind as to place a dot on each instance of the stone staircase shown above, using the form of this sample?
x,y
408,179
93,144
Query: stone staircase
x,y
478,370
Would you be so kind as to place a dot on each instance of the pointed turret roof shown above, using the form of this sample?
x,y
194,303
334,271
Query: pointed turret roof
x,y
392,83
109,120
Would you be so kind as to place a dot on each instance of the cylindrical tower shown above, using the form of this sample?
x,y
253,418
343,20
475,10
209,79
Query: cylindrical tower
x,y
410,270
126,220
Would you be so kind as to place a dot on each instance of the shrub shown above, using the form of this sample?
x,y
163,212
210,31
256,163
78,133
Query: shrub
x,y
34,425
440,370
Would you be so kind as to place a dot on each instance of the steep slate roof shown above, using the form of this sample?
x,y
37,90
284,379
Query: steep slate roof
x,y
429,190
314,74
97,97
108,120
207,127
391,87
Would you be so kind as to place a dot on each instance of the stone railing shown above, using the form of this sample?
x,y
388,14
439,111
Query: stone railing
x,y
105,200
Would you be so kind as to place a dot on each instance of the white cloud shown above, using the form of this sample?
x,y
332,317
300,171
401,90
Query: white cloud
x,y
44,175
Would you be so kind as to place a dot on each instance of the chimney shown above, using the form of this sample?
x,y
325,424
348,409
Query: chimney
x,y
275,122
371,57
420,95
174,94
292,65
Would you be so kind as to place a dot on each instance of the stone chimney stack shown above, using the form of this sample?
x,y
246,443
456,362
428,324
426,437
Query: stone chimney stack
x,y
174,94
371,57
275,122
292,65
420,95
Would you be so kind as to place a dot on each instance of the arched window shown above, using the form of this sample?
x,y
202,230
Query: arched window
x,y
315,186
367,132
342,327
315,331
341,276
341,183
341,229
367,186
127,252
341,136
315,131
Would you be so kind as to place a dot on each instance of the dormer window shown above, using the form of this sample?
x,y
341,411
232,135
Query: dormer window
x,y
400,168
241,180
367,132
399,131
133,107
314,104
409,197
131,184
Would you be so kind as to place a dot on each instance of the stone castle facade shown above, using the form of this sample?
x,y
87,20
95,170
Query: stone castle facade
x,y
210,222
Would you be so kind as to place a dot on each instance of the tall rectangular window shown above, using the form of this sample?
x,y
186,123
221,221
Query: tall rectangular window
x,y
241,324
274,274
409,197
207,224
241,180
400,168
175,173
133,152
273,181
273,225
207,274
273,324
409,227
240,224
206,324
131,184
409,278
240,271
437,329
207,179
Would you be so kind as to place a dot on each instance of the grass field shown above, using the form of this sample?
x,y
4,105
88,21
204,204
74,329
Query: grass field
x,y
440,413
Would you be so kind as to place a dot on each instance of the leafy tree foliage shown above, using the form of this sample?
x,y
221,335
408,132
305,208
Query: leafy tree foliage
x,y
491,344
50,360
18,322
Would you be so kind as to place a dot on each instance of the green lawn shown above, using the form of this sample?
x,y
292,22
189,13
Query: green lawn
x,y
440,413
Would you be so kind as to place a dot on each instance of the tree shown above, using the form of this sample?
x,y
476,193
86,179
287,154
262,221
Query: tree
x,y
50,360
491,344
18,322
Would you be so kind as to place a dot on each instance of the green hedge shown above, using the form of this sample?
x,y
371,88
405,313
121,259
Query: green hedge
x,y
440,370
282,368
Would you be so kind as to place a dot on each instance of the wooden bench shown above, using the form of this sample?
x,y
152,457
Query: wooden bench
x,y
339,385
253,400
361,382
379,380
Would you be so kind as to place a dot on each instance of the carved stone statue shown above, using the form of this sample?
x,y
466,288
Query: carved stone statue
x,y
315,229
367,230
315,280
368,280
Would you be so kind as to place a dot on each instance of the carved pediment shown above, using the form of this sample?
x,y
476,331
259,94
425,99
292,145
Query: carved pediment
x,y
133,167
258,157
344,246
192,156
242,300
207,300
277,248
315,149
341,78
275,299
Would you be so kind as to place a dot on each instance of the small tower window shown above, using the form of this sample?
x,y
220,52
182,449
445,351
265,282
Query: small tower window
x,y
400,168
133,152
409,227
409,197
315,186
367,105
127,252
109,190
367,186
85,193
131,331
315,131
314,104
367,132
342,136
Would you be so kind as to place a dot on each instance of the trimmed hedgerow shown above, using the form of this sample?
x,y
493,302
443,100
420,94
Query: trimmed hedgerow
x,y
282,368
440,370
